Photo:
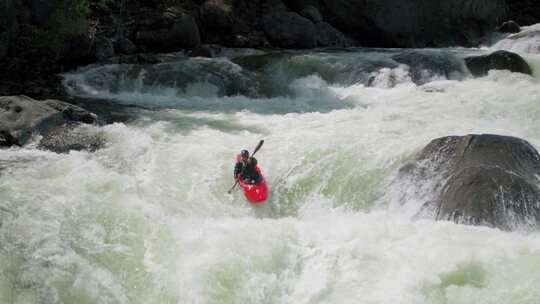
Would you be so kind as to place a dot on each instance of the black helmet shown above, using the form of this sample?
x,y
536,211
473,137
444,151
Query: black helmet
x,y
244,153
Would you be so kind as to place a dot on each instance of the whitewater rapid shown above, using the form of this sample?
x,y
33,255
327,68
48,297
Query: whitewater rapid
x,y
147,218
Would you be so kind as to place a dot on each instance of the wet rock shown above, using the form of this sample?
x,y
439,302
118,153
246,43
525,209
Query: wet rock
x,y
499,60
72,137
109,112
509,27
491,196
484,179
21,116
289,30
71,112
312,13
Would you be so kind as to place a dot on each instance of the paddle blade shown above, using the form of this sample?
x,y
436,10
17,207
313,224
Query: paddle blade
x,y
258,147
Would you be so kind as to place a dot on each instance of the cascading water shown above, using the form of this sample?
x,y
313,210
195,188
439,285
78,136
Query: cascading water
x,y
147,219
527,41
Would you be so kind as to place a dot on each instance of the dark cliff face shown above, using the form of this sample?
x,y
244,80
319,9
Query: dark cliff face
x,y
415,23
524,12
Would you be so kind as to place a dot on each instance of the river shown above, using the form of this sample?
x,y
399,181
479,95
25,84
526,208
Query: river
x,y
147,219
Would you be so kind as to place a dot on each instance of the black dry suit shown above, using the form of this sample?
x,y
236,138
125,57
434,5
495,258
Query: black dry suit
x,y
247,170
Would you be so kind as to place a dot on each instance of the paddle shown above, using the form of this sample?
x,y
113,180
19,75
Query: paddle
x,y
254,151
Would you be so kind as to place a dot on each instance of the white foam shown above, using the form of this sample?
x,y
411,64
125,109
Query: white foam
x,y
527,41
147,218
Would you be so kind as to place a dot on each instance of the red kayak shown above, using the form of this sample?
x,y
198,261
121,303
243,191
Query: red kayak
x,y
254,193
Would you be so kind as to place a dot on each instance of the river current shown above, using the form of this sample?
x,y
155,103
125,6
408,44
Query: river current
x,y
147,219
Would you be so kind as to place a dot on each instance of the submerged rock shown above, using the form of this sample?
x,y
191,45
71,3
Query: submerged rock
x,y
484,179
499,60
22,116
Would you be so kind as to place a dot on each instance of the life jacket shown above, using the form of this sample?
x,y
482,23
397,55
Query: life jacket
x,y
249,168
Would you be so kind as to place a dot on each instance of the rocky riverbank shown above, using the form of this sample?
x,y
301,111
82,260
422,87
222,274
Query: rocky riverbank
x,y
39,39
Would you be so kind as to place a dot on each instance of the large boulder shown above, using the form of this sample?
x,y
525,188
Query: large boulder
x,y
490,196
499,60
22,116
484,179
414,23
289,30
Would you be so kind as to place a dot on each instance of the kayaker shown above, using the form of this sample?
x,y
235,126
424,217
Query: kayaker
x,y
246,168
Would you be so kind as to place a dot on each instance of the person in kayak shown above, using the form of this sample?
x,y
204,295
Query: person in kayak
x,y
246,168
